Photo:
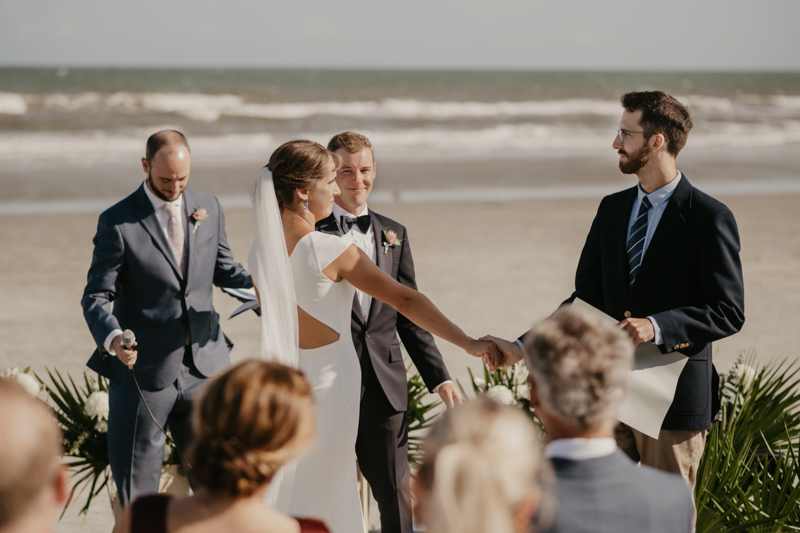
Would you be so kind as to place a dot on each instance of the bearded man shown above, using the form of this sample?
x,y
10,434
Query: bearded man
x,y
663,258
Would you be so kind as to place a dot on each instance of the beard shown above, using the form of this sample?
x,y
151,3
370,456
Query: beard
x,y
635,160
160,195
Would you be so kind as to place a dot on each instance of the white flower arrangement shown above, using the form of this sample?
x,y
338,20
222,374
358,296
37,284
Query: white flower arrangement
x,y
523,392
24,379
501,394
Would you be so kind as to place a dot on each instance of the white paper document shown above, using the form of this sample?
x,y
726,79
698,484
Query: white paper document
x,y
248,299
651,385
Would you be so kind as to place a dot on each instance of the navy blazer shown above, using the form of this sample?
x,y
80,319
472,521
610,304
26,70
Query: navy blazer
x,y
613,495
133,267
375,336
690,281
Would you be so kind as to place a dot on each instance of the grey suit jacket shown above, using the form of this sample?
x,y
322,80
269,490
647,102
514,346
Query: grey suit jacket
x,y
613,495
133,267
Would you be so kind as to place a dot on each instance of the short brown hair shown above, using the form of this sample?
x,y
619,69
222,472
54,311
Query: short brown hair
x,y
30,451
661,113
351,141
163,138
250,421
580,366
298,165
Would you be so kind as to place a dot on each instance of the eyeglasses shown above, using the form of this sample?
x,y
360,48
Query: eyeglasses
x,y
621,134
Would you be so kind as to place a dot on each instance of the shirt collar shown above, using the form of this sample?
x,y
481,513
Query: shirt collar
x,y
580,449
660,196
339,212
158,202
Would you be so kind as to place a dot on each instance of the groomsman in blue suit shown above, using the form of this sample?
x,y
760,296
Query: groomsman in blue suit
x,y
157,254
382,445
663,258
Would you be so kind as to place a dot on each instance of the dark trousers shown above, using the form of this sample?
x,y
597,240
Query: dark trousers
x,y
135,444
382,451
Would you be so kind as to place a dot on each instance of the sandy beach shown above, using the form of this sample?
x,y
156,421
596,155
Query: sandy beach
x,y
493,267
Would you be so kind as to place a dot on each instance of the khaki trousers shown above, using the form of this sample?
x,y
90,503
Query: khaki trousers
x,y
675,450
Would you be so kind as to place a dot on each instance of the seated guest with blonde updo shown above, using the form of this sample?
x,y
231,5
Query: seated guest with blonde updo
x,y
249,421
482,462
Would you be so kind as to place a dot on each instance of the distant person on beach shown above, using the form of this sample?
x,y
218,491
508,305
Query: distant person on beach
x,y
33,482
579,369
480,472
663,258
382,445
157,255
249,422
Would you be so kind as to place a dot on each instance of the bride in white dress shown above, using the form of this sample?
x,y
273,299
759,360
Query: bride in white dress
x,y
305,281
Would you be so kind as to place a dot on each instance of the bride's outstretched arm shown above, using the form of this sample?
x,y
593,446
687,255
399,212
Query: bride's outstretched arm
x,y
354,266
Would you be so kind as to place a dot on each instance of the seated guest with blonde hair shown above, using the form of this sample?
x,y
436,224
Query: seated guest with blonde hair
x,y
579,369
249,421
33,482
480,471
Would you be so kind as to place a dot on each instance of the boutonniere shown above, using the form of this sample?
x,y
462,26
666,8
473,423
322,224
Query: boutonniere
x,y
199,216
390,240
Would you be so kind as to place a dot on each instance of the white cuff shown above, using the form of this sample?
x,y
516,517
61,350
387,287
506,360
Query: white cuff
x,y
107,343
439,386
658,338
519,342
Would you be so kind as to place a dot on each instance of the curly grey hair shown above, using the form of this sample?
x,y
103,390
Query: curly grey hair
x,y
580,366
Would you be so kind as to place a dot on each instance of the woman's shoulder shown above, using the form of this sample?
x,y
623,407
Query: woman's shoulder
x,y
327,247
310,525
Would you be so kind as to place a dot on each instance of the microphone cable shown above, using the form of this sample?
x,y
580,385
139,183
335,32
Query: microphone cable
x,y
128,339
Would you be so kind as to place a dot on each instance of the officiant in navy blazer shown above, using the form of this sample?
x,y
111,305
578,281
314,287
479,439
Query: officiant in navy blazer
x,y
382,444
663,258
157,254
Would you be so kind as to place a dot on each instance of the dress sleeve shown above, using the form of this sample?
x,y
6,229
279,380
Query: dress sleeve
x,y
328,248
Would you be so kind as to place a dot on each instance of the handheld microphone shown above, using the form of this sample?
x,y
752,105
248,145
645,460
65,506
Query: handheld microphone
x,y
128,340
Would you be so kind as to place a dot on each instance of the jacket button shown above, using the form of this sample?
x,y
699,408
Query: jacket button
x,y
678,346
627,314
186,293
366,334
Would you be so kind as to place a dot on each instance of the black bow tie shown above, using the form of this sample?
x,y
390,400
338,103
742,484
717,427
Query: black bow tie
x,y
348,222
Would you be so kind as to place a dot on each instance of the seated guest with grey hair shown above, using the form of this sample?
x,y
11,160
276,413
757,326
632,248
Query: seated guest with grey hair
x,y
579,369
33,481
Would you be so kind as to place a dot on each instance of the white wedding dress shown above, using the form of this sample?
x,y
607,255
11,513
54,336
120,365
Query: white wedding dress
x,y
324,483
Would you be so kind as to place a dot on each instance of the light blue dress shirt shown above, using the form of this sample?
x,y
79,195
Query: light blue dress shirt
x,y
659,200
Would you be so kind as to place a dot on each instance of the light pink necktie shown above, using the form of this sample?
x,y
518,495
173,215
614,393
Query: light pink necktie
x,y
176,235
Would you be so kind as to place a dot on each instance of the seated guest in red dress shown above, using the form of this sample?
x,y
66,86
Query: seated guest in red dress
x,y
249,421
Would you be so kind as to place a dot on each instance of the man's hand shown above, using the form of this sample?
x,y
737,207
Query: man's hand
x,y
638,329
449,395
126,356
510,351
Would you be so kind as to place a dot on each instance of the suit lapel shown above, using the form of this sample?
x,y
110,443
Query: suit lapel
x,y
148,219
190,203
619,227
668,228
384,259
329,225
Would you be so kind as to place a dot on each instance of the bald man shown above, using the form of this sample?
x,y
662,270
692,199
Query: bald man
x,y
33,482
157,255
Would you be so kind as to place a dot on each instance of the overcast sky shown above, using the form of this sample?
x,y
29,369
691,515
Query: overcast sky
x,y
516,34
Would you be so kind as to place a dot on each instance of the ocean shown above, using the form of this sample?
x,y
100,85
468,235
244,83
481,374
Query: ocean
x,y
91,123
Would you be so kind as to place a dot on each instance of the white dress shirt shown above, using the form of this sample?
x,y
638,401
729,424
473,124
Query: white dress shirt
x,y
366,242
163,222
659,200
580,449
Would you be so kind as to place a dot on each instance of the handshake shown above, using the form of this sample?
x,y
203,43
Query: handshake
x,y
496,352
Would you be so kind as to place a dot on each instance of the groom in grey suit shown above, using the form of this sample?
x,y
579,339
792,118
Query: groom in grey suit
x,y
157,254
579,369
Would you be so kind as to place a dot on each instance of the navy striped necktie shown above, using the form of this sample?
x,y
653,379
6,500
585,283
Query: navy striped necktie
x,y
636,240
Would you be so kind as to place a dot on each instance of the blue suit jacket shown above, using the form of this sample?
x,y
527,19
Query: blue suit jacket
x,y
690,281
133,267
612,494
